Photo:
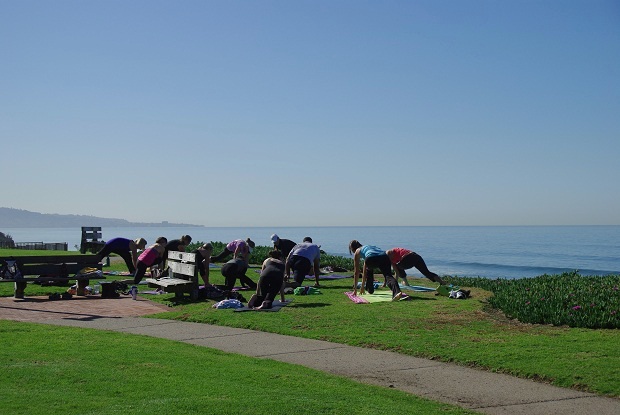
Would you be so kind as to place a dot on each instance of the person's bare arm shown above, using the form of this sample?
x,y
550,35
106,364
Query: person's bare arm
x,y
356,270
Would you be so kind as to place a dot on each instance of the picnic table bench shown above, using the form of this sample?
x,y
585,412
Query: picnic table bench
x,y
46,268
182,275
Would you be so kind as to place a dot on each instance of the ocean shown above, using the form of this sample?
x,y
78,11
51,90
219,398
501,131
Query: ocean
x,y
484,251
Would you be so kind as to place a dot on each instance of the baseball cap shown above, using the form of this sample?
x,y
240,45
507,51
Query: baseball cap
x,y
274,238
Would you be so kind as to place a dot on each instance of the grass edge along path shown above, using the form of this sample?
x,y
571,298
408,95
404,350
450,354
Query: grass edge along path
x,y
88,371
464,332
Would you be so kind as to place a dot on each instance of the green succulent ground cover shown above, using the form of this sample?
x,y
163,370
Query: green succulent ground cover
x,y
469,332
566,299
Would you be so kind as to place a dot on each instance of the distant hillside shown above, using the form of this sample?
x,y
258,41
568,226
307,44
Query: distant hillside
x,y
17,218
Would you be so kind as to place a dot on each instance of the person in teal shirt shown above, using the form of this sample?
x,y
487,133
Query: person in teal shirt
x,y
373,257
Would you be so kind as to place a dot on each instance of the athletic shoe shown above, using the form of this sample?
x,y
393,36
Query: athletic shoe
x,y
397,296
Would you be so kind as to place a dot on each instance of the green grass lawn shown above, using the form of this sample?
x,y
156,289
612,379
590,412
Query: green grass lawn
x,y
466,332
61,370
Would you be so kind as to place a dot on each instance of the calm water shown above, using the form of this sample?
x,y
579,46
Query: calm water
x,y
486,251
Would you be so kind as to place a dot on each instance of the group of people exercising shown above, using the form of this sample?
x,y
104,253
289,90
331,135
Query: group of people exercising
x,y
287,259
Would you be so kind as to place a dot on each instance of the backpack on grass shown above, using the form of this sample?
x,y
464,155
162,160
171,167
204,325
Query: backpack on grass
x,y
9,270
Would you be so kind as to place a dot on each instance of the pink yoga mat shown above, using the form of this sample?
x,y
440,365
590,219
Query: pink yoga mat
x,y
355,298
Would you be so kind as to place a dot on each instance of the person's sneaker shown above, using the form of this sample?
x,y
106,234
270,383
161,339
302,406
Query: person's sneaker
x,y
397,297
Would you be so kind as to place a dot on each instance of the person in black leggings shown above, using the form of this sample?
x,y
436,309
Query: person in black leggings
x,y
203,259
233,269
403,259
125,248
271,282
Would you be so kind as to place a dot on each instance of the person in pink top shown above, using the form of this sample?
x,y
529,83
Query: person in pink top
x,y
149,257
238,248
403,259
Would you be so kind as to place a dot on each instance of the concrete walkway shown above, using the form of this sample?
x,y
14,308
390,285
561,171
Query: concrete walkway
x,y
481,391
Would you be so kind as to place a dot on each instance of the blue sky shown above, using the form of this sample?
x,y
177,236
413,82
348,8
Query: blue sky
x,y
313,113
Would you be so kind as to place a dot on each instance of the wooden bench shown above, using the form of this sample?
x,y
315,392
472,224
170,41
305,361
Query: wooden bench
x,y
90,241
52,268
182,275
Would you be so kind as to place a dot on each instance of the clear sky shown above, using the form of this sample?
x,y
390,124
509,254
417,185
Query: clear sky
x,y
313,112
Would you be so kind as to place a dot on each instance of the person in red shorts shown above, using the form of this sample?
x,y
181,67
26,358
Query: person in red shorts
x,y
403,259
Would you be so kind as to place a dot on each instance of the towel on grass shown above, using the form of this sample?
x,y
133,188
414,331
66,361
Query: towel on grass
x,y
232,303
275,306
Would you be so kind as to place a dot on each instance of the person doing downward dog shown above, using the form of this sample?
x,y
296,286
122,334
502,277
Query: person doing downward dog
x,y
233,269
238,248
283,245
270,283
403,259
125,248
203,259
304,257
373,257
149,257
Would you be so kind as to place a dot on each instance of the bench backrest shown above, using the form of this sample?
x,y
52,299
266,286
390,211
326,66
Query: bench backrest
x,y
90,241
182,264
91,233
56,265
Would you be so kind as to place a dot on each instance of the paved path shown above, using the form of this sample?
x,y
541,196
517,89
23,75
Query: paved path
x,y
485,392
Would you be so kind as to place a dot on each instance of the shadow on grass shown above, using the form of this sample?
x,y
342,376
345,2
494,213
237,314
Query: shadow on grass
x,y
310,305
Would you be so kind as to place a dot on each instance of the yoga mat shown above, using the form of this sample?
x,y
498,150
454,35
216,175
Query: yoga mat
x,y
355,298
376,283
381,297
322,277
329,277
276,306
376,297
418,288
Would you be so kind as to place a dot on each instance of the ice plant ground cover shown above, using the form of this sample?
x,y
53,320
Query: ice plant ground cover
x,y
567,299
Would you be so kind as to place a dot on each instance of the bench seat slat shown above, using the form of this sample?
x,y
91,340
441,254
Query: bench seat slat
x,y
168,282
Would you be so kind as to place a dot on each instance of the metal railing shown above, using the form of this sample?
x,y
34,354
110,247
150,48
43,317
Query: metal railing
x,y
46,246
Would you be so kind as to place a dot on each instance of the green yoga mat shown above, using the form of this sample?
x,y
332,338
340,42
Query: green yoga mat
x,y
380,296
